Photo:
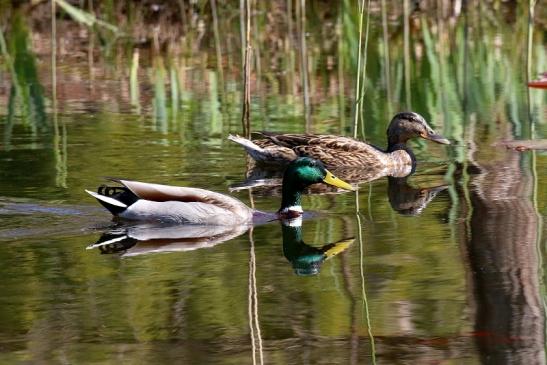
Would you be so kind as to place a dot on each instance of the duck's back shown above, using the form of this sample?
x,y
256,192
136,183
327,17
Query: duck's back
x,y
178,204
330,149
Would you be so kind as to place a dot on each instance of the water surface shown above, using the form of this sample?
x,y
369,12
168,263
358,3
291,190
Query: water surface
x,y
443,267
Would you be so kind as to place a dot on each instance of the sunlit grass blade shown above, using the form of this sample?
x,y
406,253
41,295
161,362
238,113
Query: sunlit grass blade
x,y
82,16
134,81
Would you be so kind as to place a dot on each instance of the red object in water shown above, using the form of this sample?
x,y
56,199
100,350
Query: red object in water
x,y
541,83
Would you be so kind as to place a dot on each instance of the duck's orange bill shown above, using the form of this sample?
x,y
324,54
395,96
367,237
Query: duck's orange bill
x,y
333,180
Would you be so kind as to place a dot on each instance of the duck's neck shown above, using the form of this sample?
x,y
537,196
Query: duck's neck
x,y
396,142
407,150
291,206
400,146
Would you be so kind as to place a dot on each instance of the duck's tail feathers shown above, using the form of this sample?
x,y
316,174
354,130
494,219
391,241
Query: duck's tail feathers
x,y
252,148
114,206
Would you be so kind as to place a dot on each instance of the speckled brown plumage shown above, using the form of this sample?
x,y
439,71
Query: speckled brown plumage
x,y
337,151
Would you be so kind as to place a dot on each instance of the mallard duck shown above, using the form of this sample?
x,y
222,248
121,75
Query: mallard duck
x,y
144,201
305,259
338,151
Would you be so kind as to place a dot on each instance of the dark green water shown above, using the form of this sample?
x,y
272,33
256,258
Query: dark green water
x,y
422,276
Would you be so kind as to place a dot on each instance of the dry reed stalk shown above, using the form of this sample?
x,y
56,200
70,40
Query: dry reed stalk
x,y
304,59
387,65
406,15
217,44
246,114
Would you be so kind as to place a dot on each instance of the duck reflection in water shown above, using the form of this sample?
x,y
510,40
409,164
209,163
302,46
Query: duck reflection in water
x,y
148,238
406,199
306,260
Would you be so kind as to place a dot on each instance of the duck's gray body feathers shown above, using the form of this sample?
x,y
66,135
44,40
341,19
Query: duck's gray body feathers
x,y
176,204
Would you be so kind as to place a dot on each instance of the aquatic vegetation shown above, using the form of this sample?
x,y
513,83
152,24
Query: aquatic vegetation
x,y
26,97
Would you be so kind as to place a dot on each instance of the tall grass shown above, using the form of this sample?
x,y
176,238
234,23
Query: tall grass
x,y
422,67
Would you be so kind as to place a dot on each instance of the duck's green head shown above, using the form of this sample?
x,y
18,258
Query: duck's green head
x,y
300,174
407,125
305,171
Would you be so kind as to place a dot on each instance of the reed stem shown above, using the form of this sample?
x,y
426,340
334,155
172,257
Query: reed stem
x,y
406,15
304,64
358,84
387,64
245,117
364,74
341,87
217,44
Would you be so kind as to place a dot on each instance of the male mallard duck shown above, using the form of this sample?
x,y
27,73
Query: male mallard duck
x,y
143,201
337,151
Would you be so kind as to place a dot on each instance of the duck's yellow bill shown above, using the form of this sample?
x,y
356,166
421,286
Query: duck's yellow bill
x,y
338,247
333,180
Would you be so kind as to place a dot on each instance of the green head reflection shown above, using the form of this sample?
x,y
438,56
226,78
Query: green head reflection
x,y
306,260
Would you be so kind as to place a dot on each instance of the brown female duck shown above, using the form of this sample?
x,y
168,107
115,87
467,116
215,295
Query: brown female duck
x,y
337,151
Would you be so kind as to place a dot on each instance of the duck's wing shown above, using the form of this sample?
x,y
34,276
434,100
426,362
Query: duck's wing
x,y
329,141
343,151
288,140
164,193
179,204
265,151
330,149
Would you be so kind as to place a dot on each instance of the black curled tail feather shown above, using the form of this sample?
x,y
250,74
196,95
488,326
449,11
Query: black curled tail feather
x,y
116,199
120,193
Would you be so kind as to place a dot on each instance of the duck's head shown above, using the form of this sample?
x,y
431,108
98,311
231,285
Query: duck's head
x,y
300,174
305,171
407,125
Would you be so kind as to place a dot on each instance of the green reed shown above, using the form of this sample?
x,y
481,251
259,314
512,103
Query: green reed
x,y
296,47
